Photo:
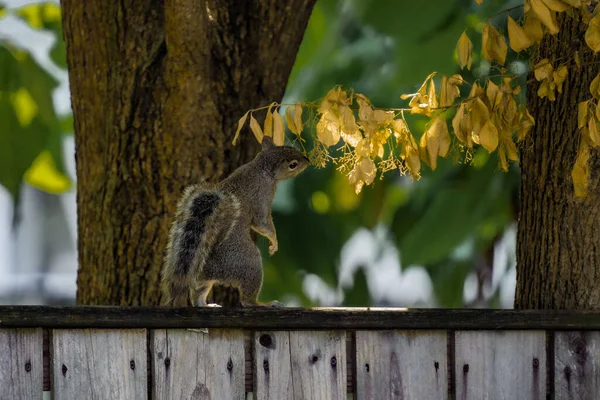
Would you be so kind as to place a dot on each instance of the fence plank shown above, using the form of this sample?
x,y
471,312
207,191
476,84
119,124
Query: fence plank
x,y
401,365
577,365
500,365
300,365
196,365
99,364
21,368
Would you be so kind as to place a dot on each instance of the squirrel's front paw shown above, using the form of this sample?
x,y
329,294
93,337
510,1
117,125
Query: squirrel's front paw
x,y
276,304
273,247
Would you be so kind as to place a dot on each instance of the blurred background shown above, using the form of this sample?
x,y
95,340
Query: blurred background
x,y
447,240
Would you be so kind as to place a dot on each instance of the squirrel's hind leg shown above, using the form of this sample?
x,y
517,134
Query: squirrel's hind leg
x,y
203,292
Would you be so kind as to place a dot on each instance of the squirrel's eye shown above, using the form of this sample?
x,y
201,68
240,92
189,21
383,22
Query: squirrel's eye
x,y
293,164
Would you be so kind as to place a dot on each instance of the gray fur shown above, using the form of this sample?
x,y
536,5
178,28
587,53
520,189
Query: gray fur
x,y
210,239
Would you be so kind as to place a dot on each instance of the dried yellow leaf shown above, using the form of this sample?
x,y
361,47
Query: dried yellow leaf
x,y
543,70
581,172
556,5
517,37
328,129
592,34
511,150
439,130
364,171
527,122
432,95
365,109
298,118
433,149
278,129
493,45
545,90
480,115
503,160
545,15
449,90
268,125
476,91
350,132
363,148
595,87
559,77
509,111
255,127
368,170
241,123
420,102
458,125
493,94
289,120
464,49
488,137
598,111
335,97
399,128
594,132
413,163
533,28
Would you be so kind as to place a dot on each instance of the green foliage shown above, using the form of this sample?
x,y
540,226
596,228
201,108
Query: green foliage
x,y
31,132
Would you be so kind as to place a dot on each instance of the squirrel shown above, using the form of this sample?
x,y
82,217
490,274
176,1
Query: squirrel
x,y
210,240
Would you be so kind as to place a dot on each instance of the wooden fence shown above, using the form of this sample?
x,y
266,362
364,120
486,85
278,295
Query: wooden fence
x,y
161,353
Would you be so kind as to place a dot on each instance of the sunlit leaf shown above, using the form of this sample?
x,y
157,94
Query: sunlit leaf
x,y
517,37
533,28
488,136
255,127
241,123
493,44
581,170
545,15
464,49
278,129
44,175
592,34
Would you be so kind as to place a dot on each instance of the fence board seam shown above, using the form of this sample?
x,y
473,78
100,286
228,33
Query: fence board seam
x,y
450,358
550,354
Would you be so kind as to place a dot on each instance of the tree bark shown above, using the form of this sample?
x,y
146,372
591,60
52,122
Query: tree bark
x,y
157,89
558,240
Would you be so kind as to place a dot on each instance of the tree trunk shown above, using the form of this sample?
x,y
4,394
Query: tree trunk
x,y
157,89
558,241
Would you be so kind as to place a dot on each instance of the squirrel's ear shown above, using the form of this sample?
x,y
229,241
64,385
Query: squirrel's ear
x,y
267,142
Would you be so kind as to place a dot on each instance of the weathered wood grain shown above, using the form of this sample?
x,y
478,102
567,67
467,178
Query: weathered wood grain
x,y
99,364
21,368
303,365
401,365
577,365
500,365
294,318
196,365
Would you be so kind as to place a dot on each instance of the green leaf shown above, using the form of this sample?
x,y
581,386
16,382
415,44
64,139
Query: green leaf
x,y
10,74
19,146
40,85
451,216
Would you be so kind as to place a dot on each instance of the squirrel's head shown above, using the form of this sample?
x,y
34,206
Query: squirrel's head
x,y
283,161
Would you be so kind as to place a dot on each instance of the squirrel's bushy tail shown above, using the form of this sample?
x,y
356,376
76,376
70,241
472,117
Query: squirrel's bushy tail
x,y
193,235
